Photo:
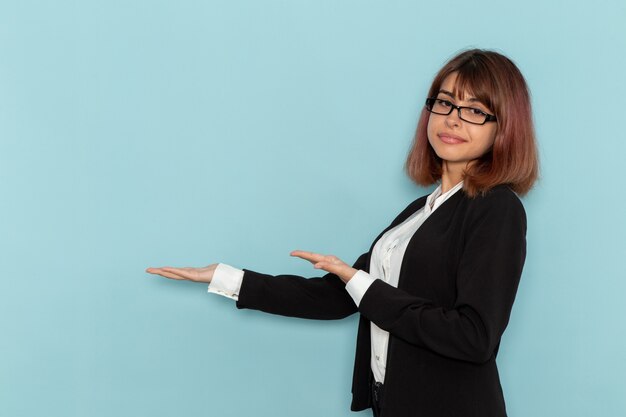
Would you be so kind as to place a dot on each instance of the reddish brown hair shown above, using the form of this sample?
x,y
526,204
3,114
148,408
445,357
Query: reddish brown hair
x,y
497,82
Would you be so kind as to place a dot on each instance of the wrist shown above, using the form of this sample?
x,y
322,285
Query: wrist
x,y
348,276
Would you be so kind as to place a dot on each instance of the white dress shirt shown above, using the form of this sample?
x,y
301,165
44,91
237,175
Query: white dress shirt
x,y
385,264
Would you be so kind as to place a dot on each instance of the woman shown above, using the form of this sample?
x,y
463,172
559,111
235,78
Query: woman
x,y
435,291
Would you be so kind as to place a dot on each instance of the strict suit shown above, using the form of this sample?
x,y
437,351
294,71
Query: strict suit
x,y
458,281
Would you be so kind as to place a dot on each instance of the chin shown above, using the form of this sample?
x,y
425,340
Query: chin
x,y
451,156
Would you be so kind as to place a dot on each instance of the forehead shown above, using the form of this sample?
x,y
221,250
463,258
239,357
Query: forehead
x,y
465,88
453,83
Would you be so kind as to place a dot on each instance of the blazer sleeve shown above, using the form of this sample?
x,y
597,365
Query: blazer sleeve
x,y
487,279
323,298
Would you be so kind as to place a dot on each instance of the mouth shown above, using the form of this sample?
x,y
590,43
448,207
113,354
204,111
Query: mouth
x,y
450,138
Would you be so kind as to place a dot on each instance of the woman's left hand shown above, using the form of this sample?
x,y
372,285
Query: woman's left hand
x,y
329,263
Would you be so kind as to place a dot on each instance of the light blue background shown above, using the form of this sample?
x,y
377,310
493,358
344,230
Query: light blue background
x,y
137,134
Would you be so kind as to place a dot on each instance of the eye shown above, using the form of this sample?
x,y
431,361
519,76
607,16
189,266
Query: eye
x,y
477,112
444,103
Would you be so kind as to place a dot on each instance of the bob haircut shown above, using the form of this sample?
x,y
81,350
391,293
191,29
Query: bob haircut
x,y
497,82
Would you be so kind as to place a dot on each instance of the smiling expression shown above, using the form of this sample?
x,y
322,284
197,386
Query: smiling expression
x,y
455,141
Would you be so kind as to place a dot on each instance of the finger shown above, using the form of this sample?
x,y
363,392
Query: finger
x,y
179,272
328,266
154,271
332,259
184,273
309,256
172,276
161,272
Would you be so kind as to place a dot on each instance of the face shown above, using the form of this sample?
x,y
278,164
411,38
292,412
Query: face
x,y
456,141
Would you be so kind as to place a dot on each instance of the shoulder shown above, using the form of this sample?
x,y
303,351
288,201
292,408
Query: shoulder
x,y
499,196
499,204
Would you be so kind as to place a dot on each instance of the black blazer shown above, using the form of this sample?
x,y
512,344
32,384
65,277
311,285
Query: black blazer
x,y
457,284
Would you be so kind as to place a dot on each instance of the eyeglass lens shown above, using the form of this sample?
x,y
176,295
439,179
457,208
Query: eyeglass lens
x,y
467,113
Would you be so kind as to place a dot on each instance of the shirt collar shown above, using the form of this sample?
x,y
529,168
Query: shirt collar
x,y
436,199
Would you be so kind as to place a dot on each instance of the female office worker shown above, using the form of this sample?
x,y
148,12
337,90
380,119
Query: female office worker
x,y
435,290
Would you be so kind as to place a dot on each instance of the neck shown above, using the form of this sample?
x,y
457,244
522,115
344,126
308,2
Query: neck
x,y
451,175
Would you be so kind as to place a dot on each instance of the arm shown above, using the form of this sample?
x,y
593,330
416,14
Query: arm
x,y
322,298
487,281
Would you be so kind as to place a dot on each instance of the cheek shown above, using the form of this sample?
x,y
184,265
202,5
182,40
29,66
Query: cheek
x,y
430,128
486,138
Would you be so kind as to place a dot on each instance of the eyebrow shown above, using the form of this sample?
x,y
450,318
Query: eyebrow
x,y
472,99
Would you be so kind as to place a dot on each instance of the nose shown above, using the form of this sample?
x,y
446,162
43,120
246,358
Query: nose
x,y
454,118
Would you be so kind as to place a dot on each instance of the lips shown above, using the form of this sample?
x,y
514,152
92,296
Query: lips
x,y
450,138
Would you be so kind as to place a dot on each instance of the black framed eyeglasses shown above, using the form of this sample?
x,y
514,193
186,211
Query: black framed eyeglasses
x,y
468,114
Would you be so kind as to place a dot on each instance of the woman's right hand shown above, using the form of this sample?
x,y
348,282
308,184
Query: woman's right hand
x,y
204,274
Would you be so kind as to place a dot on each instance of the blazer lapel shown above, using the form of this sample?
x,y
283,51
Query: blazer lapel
x,y
411,208
444,211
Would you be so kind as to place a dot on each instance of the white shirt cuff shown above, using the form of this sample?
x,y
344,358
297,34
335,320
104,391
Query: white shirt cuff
x,y
226,281
358,285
